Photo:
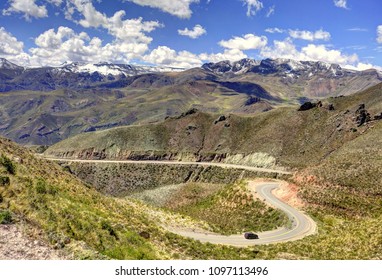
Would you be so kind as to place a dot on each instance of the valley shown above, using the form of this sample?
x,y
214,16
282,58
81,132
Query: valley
x,y
179,164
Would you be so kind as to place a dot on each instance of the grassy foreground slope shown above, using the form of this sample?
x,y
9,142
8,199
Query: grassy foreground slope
x,y
62,210
42,195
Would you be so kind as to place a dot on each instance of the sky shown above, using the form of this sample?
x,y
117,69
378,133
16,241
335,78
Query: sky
x,y
188,33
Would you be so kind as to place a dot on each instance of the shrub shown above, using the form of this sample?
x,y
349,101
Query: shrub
x,y
5,217
41,187
9,165
4,181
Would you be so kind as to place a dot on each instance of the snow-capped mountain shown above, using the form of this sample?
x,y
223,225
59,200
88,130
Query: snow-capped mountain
x,y
107,75
282,67
105,68
5,64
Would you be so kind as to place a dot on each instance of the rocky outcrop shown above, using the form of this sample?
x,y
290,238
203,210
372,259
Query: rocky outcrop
x,y
378,117
361,115
307,106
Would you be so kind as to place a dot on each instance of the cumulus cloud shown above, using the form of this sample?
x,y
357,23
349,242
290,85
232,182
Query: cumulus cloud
x,y
67,45
12,49
28,8
9,45
179,8
166,56
310,36
341,4
247,42
194,33
128,30
253,6
163,55
227,54
363,66
379,34
286,49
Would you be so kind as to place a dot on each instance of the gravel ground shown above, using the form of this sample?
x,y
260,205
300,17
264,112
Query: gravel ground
x,y
15,245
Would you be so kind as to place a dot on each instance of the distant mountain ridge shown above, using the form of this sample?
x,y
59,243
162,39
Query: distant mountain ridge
x,y
87,75
69,75
286,67
48,104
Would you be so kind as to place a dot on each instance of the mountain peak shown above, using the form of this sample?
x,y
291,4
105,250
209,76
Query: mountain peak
x,y
278,66
6,64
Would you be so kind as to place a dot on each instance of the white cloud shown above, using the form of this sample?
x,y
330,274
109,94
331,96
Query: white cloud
x,y
253,6
271,11
92,17
56,47
129,30
341,4
55,2
27,7
379,34
163,55
274,30
321,53
12,49
363,66
310,36
230,54
9,45
286,49
179,8
196,32
247,42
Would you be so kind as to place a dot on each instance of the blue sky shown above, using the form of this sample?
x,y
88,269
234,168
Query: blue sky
x,y
187,33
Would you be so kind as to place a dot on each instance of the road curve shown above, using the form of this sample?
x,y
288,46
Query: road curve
x,y
301,225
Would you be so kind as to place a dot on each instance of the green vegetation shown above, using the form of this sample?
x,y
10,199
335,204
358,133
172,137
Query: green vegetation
x,y
338,174
5,217
67,211
284,136
230,210
8,164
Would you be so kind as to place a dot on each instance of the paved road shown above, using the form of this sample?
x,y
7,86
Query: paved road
x,y
301,224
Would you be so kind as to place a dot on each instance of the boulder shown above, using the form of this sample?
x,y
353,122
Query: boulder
x,y
307,106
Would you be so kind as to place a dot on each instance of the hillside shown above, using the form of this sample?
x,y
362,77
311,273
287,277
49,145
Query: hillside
x,y
42,106
281,137
53,207
337,158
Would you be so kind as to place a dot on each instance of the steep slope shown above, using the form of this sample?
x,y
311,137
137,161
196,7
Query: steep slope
x,y
291,138
61,209
58,208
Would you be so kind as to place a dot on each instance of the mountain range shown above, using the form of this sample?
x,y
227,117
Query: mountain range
x,y
41,106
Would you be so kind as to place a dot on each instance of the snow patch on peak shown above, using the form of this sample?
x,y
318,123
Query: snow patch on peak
x,y
5,64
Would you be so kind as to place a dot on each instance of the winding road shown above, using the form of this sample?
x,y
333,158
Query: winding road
x,y
301,225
